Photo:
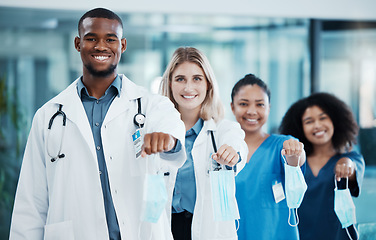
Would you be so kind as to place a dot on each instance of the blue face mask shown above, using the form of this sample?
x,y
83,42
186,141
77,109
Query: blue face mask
x,y
344,206
154,199
155,194
295,188
225,207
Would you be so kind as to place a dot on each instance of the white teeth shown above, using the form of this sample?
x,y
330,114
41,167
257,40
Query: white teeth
x,y
189,97
319,133
252,120
101,58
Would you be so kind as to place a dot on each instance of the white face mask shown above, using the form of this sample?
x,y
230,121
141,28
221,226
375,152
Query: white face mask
x,y
295,188
344,206
225,207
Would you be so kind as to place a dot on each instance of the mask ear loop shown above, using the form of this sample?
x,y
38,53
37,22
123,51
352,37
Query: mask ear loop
x,y
296,217
356,232
284,159
296,210
347,183
335,183
237,223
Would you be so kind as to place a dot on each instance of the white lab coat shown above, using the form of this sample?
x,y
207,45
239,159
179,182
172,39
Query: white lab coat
x,y
63,199
204,227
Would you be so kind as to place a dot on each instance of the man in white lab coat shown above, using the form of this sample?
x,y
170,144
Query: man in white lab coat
x,y
83,171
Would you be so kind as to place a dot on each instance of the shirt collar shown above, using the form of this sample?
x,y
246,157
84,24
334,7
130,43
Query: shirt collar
x,y
116,83
198,126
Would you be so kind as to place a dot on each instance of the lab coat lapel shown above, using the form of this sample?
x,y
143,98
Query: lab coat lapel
x,y
128,92
209,125
75,112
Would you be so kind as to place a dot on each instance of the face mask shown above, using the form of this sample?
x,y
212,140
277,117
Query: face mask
x,y
344,206
154,197
295,188
225,207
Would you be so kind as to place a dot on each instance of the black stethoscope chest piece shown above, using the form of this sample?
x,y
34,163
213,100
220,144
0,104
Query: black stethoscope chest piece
x,y
139,119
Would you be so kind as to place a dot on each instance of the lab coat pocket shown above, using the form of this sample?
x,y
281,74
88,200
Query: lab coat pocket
x,y
59,231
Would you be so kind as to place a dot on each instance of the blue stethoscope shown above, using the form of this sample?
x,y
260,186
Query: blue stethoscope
x,y
139,121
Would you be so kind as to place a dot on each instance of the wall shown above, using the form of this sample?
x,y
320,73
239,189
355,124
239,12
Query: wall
x,y
333,9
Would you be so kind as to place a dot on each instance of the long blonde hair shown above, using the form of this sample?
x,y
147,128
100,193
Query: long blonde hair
x,y
211,106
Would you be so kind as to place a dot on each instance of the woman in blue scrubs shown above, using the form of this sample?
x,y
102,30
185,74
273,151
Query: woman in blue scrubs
x,y
326,126
263,209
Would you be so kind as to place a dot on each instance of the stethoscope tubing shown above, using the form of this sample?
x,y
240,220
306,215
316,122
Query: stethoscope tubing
x,y
139,121
59,154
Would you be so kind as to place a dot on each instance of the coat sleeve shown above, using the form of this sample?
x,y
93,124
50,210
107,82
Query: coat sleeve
x,y
230,133
31,200
163,117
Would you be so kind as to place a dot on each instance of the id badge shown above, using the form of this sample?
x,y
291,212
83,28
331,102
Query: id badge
x,y
278,192
137,142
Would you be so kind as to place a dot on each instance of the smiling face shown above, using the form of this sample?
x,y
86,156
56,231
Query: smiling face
x,y
101,45
189,87
251,108
317,126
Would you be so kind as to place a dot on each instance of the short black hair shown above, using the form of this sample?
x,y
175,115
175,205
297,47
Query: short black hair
x,y
249,79
345,127
99,13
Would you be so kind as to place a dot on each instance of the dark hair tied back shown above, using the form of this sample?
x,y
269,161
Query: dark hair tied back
x,y
249,79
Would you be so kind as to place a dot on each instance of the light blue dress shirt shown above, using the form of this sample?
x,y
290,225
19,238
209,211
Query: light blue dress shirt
x,y
185,186
96,110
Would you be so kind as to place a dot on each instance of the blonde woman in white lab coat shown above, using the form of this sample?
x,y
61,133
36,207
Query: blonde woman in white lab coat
x,y
190,84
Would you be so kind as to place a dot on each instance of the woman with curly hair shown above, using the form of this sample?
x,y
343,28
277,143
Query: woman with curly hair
x,y
328,130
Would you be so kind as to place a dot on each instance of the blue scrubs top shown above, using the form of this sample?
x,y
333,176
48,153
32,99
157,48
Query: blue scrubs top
x,y
261,217
317,217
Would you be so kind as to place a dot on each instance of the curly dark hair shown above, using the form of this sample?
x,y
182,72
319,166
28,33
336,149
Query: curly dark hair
x,y
345,127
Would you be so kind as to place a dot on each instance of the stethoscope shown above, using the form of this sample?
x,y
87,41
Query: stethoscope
x,y
139,121
216,166
139,118
58,112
